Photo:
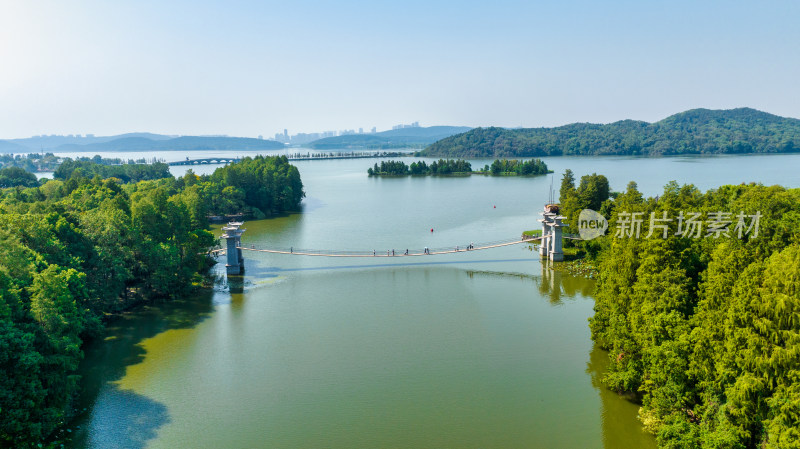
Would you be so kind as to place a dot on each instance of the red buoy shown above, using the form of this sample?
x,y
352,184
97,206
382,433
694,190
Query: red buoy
x,y
431,229
495,207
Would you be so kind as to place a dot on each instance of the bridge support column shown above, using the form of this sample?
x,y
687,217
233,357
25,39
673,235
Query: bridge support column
x,y
544,244
550,247
556,253
235,259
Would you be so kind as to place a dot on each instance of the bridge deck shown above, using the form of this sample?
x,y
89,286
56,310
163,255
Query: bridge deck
x,y
397,253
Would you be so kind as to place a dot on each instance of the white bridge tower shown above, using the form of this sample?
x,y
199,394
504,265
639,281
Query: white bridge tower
x,y
233,235
550,246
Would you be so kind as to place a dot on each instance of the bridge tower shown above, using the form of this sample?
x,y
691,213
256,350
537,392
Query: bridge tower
x,y
556,253
544,245
550,246
233,236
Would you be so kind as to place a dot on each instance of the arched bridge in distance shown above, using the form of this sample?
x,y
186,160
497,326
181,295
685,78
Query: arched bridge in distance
x,y
293,157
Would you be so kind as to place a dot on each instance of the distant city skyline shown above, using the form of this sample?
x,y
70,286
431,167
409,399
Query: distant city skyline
x,y
284,136
256,68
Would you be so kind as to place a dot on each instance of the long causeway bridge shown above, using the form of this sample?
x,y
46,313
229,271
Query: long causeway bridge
x,y
295,157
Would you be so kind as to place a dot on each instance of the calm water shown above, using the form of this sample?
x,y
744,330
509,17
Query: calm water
x,y
481,349
651,174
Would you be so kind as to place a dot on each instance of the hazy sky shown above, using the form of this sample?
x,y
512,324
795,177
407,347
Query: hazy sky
x,y
247,68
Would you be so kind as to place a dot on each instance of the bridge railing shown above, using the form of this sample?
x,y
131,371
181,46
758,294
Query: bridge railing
x,y
467,246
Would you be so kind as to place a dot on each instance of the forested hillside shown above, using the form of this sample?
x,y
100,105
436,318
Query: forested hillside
x,y
73,251
698,131
704,327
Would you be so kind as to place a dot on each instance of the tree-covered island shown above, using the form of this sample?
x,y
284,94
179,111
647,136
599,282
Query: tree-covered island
x,y
451,167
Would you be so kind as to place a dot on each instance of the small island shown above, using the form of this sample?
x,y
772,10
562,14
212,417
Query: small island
x,y
460,167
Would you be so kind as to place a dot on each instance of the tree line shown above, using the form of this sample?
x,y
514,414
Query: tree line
x,y
31,162
124,172
458,166
704,332
517,167
698,131
73,251
38,162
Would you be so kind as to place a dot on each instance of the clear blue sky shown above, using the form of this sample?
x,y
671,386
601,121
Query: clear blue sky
x,y
248,68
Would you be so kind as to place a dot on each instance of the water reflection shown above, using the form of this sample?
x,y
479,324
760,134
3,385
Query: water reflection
x,y
130,420
235,284
616,414
555,283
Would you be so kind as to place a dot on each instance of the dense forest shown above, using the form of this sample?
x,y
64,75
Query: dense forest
x,y
703,328
126,172
257,186
74,251
444,167
516,167
15,176
698,131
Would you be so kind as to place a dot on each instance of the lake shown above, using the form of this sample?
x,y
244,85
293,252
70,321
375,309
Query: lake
x,y
476,349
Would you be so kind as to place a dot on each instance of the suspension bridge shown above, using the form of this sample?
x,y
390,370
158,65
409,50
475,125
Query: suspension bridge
x,y
394,252
550,245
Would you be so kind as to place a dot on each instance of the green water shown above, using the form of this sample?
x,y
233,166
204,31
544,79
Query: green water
x,y
480,349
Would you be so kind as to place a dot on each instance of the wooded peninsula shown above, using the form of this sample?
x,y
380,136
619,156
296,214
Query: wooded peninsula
x,y
704,332
78,249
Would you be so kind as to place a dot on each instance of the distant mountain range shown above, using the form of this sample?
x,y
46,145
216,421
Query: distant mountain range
x,y
134,142
697,131
397,138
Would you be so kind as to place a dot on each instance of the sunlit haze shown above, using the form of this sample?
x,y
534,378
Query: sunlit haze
x,y
256,68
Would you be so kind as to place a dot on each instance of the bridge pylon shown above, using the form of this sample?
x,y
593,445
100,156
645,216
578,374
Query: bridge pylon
x,y
233,236
551,233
